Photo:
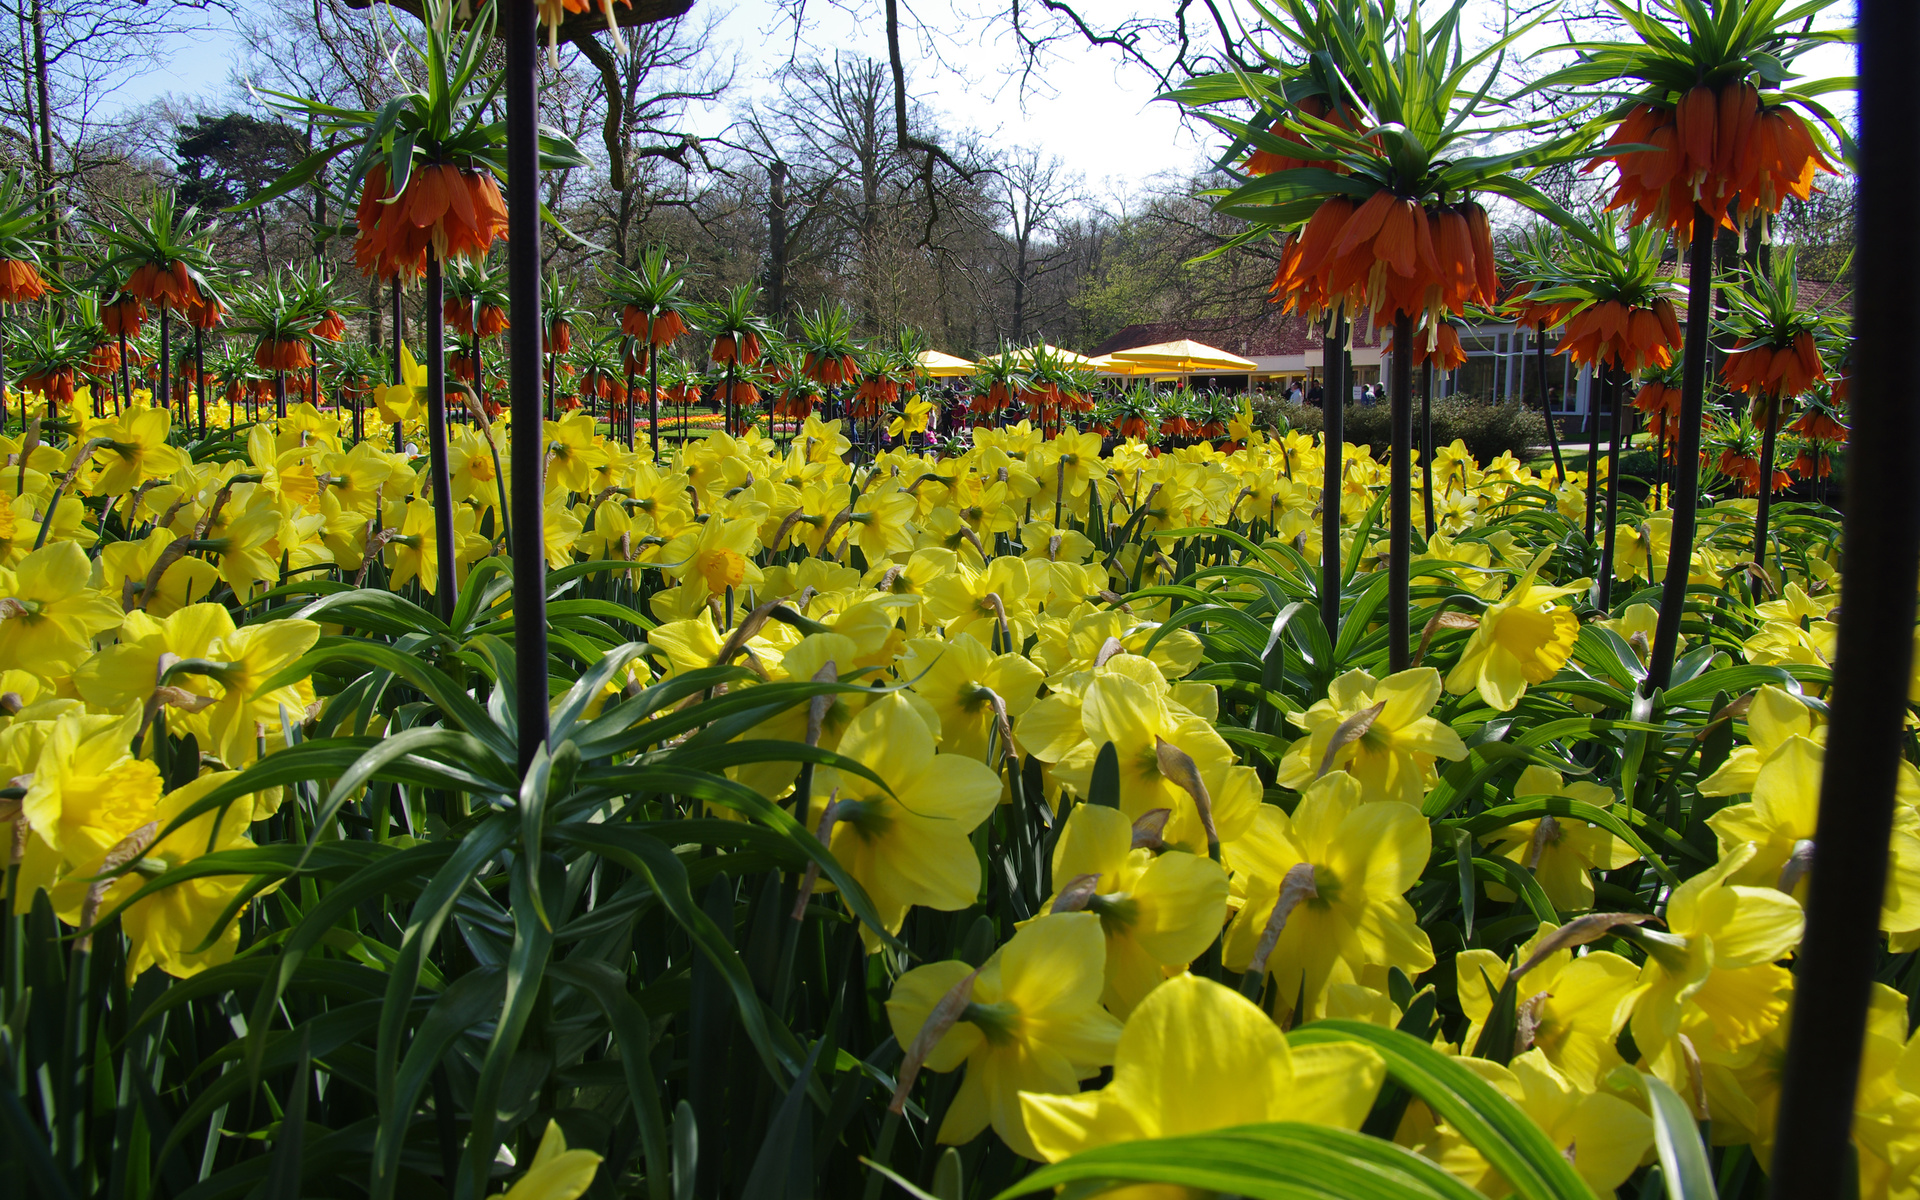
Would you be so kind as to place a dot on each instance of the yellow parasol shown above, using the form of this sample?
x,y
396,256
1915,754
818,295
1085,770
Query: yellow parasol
x,y
1107,364
944,366
1065,358
1185,357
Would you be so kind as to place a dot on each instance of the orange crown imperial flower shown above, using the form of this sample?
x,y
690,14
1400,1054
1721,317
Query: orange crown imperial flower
x,y
20,281
456,212
1389,255
1773,371
1625,336
1726,151
1443,349
282,355
169,287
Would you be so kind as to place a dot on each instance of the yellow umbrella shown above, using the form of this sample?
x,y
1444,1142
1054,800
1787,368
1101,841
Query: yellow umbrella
x,y
944,366
1064,357
1185,357
1107,364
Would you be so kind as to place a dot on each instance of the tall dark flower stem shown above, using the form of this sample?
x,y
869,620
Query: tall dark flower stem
x,y
440,480
399,335
1686,469
1764,510
653,391
625,407
126,376
280,393
1333,410
1880,557
1613,390
200,375
1593,441
165,397
1426,439
1400,494
520,28
1546,405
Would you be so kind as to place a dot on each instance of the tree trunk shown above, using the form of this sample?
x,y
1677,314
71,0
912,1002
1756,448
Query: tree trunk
x,y
777,240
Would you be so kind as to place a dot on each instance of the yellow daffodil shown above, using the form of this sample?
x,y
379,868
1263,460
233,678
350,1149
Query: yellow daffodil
x,y
908,846
971,689
1601,1135
48,615
1573,1007
1159,913
1562,852
556,1173
1343,865
1033,1024
1194,1057
1523,639
1713,975
1377,731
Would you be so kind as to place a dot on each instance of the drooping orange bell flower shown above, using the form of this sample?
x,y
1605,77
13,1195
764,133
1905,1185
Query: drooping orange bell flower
x,y
1389,255
209,312
170,287
55,384
1443,350
288,354
829,370
1812,464
559,337
1627,337
20,281
1725,150
658,330
455,212
744,349
1816,425
1661,404
331,327
1762,370
491,320
1266,162
124,315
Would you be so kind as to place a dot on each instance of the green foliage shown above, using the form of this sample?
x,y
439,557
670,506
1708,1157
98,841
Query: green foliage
x,y
1489,430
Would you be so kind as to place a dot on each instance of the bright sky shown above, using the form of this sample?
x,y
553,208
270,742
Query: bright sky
x,y
1098,115
1098,118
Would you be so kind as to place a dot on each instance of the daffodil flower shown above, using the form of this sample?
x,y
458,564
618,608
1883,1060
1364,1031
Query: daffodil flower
x,y
907,842
1562,852
1159,912
1360,858
1601,1135
556,1173
1573,1008
1377,731
1033,1024
48,615
1524,638
1195,1057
